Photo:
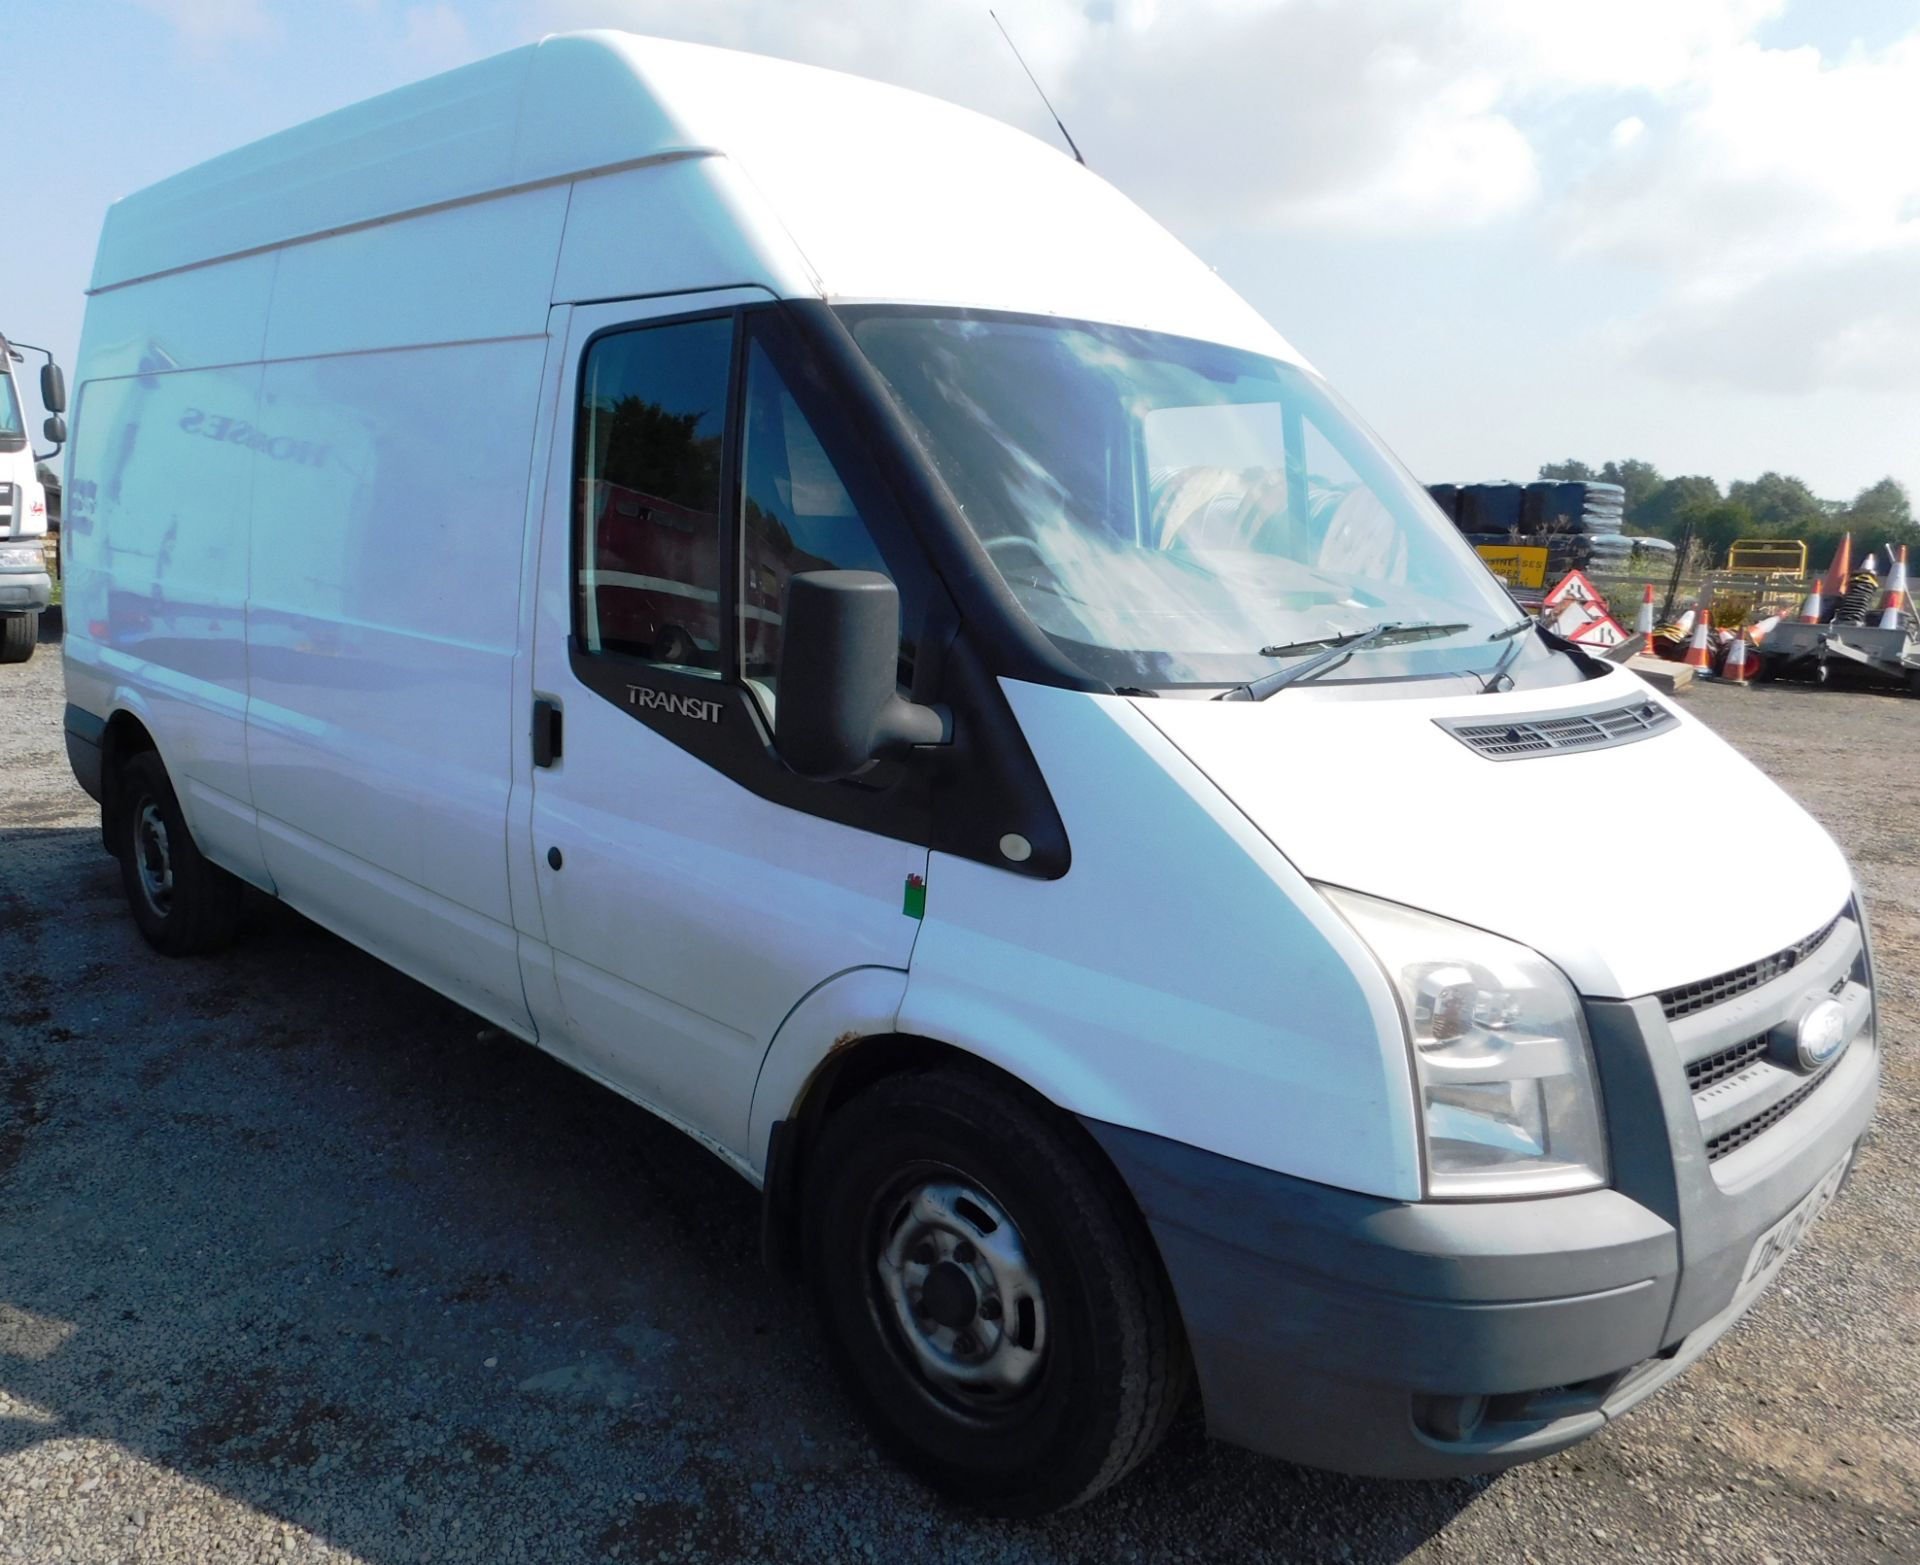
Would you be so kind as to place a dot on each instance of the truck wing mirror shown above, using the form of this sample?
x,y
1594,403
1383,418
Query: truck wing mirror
x,y
53,389
837,708
55,429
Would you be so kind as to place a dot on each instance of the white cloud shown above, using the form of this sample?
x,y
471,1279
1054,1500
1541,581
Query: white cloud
x,y
1850,322
206,24
1774,155
1780,199
1657,45
436,35
1758,193
1351,118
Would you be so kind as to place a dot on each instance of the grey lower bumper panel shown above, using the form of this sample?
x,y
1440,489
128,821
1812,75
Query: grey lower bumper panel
x,y
85,734
25,592
1420,1340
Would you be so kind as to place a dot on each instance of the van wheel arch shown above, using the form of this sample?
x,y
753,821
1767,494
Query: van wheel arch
x,y
854,1066
124,738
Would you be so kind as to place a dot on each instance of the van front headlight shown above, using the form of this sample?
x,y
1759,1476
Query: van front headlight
x,y
1508,1099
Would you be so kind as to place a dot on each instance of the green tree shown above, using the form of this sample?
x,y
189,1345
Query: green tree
x,y
1568,471
1659,514
1715,524
1881,513
1782,506
1640,480
661,454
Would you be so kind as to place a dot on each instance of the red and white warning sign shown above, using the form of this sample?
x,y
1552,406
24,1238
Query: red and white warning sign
x,y
1575,586
1606,631
1569,618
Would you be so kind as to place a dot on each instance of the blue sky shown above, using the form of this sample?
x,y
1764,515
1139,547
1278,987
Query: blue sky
x,y
1509,230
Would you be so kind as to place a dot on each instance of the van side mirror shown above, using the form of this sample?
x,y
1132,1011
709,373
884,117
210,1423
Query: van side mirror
x,y
53,389
55,429
837,708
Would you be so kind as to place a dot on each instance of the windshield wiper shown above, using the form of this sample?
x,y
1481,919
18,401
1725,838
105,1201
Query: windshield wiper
x,y
1335,651
1286,648
1492,682
1513,630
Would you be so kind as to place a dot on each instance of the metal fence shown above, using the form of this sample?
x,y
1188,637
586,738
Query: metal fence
x,y
1733,598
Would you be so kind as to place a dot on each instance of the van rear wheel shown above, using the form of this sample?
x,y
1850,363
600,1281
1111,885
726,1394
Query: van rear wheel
x,y
183,904
991,1298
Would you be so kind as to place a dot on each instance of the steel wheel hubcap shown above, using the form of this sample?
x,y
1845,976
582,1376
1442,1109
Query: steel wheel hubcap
x,y
152,856
955,1276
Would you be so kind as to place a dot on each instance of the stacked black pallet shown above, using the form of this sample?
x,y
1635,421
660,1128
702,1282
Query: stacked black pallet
x,y
1576,522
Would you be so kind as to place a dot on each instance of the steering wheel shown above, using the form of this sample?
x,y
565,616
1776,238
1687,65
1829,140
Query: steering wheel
x,y
1018,541
1047,576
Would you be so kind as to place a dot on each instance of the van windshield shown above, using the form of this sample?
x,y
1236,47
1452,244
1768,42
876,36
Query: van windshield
x,y
1176,513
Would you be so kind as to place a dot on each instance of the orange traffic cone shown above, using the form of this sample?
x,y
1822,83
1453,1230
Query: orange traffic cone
x,y
1643,626
1835,581
1893,612
1810,610
1698,656
1738,666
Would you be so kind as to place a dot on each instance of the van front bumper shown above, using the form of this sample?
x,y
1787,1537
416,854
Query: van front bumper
x,y
1428,1339
25,592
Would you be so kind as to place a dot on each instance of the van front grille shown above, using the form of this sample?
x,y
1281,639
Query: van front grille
x,y
1735,1137
1702,1074
1688,998
1553,734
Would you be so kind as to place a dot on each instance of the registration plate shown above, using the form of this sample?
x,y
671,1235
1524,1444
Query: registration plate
x,y
1771,1250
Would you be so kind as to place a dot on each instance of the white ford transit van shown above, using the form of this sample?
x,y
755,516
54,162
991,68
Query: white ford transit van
x,y
805,603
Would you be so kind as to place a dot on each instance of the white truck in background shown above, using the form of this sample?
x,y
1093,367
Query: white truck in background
x,y
26,585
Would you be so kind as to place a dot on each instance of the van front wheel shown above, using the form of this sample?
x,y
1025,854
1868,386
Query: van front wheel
x,y
19,634
182,903
991,1298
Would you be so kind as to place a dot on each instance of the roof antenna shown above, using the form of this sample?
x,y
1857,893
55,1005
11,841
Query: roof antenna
x,y
1038,88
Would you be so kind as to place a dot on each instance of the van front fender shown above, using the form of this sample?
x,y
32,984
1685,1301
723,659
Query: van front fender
x,y
836,1013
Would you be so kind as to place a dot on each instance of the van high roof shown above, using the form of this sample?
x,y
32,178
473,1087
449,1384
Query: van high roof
x,y
867,191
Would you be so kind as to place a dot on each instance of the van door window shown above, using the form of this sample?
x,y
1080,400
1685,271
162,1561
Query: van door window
x,y
796,515
648,464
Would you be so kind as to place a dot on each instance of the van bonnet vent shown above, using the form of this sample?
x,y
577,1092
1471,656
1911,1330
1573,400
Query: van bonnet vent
x,y
1520,737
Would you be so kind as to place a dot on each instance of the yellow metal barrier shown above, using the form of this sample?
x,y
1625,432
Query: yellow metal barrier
x,y
1769,555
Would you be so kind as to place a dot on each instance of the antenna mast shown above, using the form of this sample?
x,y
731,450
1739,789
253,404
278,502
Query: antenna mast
x,y
1068,135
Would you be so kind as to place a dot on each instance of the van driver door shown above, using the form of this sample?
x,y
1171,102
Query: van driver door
x,y
691,890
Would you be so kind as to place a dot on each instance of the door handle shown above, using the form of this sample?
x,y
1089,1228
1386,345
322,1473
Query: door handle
x,y
546,731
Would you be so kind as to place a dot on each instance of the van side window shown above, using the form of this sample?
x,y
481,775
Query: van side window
x,y
647,552
796,515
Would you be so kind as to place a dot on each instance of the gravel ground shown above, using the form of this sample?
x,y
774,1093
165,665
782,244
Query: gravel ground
x,y
300,1262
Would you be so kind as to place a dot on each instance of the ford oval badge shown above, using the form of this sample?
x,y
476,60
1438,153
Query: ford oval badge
x,y
1821,1033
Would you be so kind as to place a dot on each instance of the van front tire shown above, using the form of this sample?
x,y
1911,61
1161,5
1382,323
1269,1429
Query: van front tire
x,y
183,904
19,635
990,1296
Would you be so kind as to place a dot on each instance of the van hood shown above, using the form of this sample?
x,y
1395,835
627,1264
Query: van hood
x,y
1632,866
